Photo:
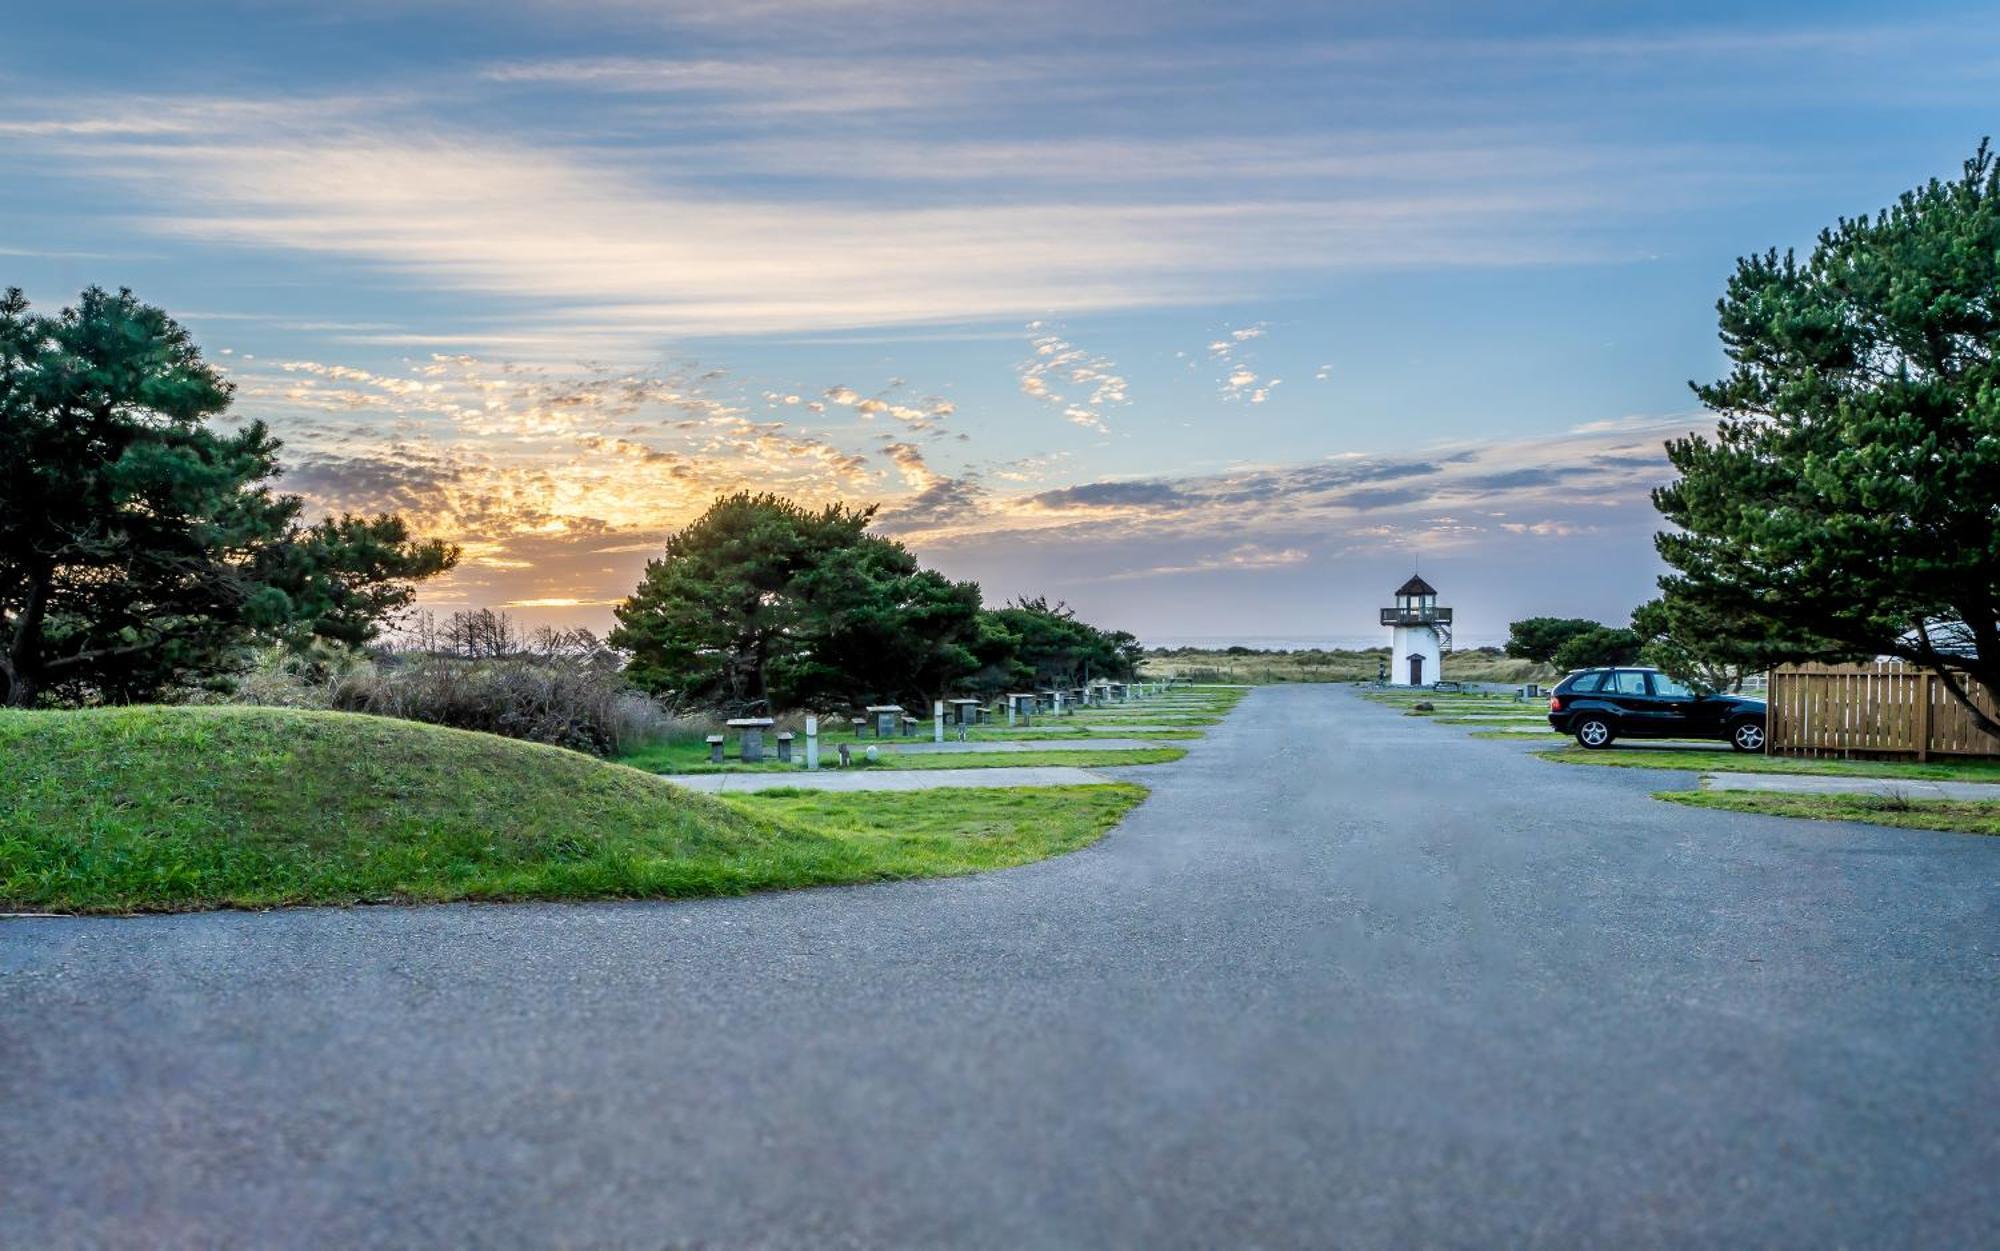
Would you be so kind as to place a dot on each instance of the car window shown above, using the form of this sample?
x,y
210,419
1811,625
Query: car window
x,y
1664,685
1583,682
1630,682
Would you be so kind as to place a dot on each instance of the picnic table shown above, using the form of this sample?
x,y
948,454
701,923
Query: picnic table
x,y
750,731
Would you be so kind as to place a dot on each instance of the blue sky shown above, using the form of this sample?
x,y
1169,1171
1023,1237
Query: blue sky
x,y
1211,320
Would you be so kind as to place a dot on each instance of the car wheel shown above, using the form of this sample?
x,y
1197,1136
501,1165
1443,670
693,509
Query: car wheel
x,y
1593,733
1748,736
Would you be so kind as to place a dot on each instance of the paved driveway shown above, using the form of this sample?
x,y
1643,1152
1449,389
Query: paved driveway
x,y
1347,979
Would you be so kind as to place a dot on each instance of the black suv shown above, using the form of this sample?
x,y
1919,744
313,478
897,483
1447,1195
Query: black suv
x,y
1599,705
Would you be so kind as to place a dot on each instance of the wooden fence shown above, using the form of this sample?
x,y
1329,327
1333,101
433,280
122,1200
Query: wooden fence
x,y
1887,709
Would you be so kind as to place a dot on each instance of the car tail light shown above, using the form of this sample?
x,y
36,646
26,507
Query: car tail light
x,y
1555,703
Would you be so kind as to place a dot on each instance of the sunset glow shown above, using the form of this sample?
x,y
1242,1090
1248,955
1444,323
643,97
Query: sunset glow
x,y
1280,305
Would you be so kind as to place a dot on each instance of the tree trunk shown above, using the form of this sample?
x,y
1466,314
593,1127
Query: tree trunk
x,y
1960,688
21,665
1957,673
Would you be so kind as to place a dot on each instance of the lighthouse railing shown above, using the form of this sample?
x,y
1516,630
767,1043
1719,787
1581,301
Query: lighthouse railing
x,y
1416,616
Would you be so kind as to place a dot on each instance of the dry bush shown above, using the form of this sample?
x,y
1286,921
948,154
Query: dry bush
x,y
580,704
571,698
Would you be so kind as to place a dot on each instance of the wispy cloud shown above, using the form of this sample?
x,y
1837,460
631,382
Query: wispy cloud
x,y
1239,380
754,86
609,249
1061,374
1245,558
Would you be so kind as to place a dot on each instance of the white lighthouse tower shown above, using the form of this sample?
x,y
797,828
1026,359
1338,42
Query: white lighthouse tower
x,y
1422,634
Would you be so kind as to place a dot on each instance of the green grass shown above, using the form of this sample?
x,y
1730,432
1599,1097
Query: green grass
x,y
1370,691
692,758
1724,761
1180,722
1493,720
1024,759
682,756
186,808
911,834
1439,708
1074,733
1959,815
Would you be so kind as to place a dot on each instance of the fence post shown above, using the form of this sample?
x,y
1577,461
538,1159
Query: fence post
x,y
1774,710
1924,716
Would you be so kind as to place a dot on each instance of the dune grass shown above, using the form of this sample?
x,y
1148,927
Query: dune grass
x,y
1327,665
168,809
1957,815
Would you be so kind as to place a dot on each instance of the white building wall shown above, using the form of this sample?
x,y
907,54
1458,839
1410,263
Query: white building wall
x,y
1419,640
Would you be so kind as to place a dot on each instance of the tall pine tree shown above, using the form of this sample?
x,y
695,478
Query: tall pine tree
x,y
1849,503
140,546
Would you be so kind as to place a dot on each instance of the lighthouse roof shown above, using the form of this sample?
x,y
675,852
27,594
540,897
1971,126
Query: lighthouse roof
x,y
1416,586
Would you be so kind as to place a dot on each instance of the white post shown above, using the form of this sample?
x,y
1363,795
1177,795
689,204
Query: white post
x,y
812,742
1059,703
1010,712
937,721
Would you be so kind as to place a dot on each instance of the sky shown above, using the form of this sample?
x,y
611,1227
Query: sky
x,y
1213,321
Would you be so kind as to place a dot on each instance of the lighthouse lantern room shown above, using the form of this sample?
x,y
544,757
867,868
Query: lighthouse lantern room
x,y
1422,634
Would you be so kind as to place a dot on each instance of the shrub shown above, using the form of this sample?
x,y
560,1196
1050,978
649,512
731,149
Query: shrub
x,y
581,705
574,700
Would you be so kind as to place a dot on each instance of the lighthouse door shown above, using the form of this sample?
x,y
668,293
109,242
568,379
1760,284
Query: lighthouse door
x,y
1417,670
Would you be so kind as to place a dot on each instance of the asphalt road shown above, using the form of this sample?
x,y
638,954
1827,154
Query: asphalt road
x,y
1347,979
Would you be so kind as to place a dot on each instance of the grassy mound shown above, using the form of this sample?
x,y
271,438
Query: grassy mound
x,y
178,808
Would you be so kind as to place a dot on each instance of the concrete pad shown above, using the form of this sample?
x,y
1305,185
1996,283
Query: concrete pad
x,y
1826,784
889,779
977,746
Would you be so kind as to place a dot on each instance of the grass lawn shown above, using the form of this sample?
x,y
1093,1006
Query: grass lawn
x,y
1962,816
1073,732
693,757
1407,696
148,809
907,834
1023,759
1117,719
1702,760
